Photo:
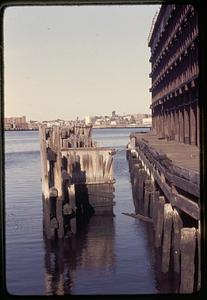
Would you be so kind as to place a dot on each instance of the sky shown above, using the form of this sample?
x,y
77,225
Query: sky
x,y
75,61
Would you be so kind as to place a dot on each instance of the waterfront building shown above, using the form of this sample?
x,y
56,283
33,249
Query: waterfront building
x,y
15,123
174,71
147,121
88,120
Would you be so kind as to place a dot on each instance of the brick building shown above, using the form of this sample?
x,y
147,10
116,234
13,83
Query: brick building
x,y
15,123
174,59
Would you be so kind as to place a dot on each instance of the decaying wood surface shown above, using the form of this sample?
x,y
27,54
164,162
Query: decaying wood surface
x,y
138,216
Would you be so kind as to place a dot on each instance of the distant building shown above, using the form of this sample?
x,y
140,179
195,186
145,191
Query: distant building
x,y
174,58
113,123
88,120
147,121
113,114
15,123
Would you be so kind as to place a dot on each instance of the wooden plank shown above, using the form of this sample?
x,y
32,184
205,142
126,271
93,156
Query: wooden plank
x,y
188,206
187,248
177,226
108,166
164,186
185,185
167,229
101,194
159,222
187,174
138,216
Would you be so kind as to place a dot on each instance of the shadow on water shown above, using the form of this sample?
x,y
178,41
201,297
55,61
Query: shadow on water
x,y
91,249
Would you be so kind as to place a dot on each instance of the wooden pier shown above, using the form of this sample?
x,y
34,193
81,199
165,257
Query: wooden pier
x,y
166,190
77,179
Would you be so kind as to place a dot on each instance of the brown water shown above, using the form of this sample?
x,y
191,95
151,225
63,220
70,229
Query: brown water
x,y
112,255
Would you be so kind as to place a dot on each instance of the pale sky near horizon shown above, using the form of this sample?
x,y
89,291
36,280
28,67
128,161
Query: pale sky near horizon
x,y
69,61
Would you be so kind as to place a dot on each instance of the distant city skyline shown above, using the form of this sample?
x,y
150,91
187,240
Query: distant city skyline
x,y
68,62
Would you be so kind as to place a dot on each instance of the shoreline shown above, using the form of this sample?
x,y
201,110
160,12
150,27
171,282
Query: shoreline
x,y
99,127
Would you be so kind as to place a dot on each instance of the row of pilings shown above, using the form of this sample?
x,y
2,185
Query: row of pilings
x,y
77,179
176,236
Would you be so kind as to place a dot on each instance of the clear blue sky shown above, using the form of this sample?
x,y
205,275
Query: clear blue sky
x,y
69,61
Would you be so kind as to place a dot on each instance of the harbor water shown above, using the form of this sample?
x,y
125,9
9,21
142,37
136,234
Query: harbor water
x,y
111,255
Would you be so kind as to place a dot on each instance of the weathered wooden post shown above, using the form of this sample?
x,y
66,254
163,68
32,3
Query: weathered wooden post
x,y
187,248
147,193
159,222
135,186
154,205
142,176
58,179
177,226
45,182
43,156
199,254
167,229
71,192
52,210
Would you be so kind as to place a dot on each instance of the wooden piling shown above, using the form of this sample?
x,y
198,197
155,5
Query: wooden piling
x,y
44,168
154,204
141,176
59,216
62,166
159,222
147,193
58,162
46,218
177,226
187,248
167,230
199,254
71,192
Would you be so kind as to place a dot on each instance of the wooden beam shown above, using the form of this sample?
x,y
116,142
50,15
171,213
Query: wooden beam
x,y
185,185
188,206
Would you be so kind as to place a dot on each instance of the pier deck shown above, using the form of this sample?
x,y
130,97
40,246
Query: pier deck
x,y
165,182
182,155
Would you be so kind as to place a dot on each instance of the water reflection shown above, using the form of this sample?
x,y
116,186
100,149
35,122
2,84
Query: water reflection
x,y
98,252
91,249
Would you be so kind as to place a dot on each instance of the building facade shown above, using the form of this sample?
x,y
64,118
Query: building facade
x,y
15,123
174,72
